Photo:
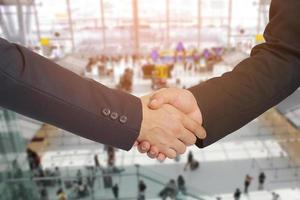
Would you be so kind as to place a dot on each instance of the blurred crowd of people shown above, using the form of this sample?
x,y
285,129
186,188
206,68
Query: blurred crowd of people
x,y
81,184
247,183
84,183
174,190
158,65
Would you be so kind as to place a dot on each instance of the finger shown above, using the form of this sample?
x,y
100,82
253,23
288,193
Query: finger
x,y
144,147
171,153
160,98
178,146
136,143
187,137
153,153
194,127
161,157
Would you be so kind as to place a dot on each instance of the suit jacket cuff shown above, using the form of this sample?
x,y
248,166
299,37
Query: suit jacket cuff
x,y
214,124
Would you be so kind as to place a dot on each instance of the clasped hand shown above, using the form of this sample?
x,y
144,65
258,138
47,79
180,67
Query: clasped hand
x,y
171,121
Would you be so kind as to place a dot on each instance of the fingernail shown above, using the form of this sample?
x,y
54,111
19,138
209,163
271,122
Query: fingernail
x,y
144,147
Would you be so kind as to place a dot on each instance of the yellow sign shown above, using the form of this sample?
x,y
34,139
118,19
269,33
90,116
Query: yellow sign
x,y
45,42
161,71
259,38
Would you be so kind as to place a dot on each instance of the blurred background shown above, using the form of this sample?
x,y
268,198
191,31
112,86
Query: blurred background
x,y
139,46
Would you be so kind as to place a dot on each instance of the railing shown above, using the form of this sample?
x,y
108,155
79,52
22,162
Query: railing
x,y
127,183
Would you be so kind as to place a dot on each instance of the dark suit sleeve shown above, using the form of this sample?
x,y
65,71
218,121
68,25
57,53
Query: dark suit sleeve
x,y
36,87
268,76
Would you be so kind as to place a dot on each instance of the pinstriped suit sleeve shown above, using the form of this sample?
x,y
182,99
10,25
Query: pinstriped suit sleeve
x,y
36,87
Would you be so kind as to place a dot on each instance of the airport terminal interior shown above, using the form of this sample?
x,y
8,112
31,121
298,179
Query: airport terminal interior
x,y
140,46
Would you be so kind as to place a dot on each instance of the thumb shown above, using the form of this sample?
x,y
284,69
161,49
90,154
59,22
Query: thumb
x,y
159,98
156,102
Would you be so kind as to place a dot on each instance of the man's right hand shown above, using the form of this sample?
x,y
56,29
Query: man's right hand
x,y
181,99
168,130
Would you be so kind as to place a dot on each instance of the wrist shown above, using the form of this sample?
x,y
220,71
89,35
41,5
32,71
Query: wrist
x,y
142,135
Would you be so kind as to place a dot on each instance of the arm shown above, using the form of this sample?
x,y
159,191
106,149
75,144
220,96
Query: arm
x,y
36,87
258,83
268,76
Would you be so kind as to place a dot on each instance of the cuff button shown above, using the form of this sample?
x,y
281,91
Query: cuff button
x,y
114,116
123,119
106,112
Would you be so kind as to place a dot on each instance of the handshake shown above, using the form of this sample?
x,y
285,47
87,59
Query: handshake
x,y
171,121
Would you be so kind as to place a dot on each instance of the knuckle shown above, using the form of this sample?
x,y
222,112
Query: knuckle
x,y
179,151
183,150
194,140
162,156
151,155
177,130
172,156
142,151
190,141
192,137
181,117
154,151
